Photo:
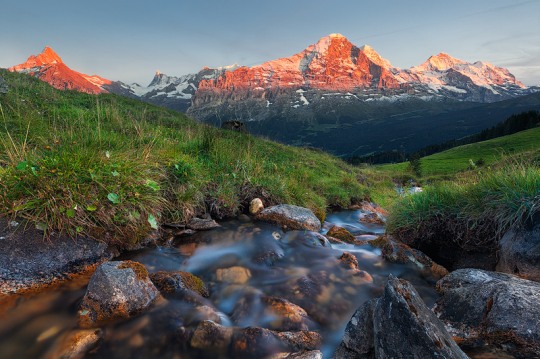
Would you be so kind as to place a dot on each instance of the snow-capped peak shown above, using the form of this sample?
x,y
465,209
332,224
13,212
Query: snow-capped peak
x,y
441,62
375,57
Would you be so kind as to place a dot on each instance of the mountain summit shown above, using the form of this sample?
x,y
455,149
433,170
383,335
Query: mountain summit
x,y
49,67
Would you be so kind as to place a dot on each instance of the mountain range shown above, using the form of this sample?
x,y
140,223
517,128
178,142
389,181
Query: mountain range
x,y
327,95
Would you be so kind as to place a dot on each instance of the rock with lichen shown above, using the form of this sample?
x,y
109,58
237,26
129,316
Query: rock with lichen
x,y
117,290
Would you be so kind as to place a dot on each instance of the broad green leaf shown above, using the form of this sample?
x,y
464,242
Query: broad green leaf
x,y
70,213
153,184
91,208
153,222
22,165
115,173
113,197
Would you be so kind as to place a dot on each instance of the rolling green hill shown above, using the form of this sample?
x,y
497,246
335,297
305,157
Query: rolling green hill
x,y
459,159
113,168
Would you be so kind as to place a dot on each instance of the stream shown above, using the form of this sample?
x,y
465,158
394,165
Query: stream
x,y
293,265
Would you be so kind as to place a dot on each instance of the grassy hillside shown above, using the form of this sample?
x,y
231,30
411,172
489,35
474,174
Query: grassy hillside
x,y
113,168
458,159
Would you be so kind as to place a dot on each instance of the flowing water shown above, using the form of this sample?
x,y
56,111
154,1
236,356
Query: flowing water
x,y
294,265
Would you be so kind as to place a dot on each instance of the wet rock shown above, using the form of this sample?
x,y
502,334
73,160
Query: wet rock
x,y
74,344
342,234
358,339
397,325
308,238
496,307
233,275
28,262
312,354
300,340
116,290
255,206
396,252
290,217
372,213
254,342
212,337
250,342
519,252
170,283
272,313
202,224
348,260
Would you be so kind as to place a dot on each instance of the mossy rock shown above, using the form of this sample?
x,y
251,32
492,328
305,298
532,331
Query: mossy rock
x,y
170,283
341,234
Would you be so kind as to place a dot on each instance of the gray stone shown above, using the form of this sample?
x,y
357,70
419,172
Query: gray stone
x,y
519,253
291,217
200,224
397,325
28,261
497,307
116,290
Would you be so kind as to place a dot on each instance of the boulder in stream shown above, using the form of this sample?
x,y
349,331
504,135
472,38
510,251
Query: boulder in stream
x,y
498,308
250,342
116,290
290,217
397,325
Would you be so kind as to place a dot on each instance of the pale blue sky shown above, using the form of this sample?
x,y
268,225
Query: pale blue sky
x,y
128,40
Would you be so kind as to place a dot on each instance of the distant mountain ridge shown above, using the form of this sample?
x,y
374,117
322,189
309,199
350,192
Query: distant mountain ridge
x,y
49,67
323,96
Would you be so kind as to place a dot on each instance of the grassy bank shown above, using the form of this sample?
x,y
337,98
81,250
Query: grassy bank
x,y
474,210
113,168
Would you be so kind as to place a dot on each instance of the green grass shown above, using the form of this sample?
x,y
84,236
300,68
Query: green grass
x,y
112,168
448,163
471,212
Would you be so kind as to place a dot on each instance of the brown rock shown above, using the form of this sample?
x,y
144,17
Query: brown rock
x,y
256,206
233,275
178,282
348,260
396,252
74,344
212,337
272,313
341,234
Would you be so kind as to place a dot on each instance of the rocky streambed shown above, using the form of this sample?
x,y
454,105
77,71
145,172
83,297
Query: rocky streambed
x,y
266,288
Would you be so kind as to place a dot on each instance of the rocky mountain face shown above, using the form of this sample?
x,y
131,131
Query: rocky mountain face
x,y
328,95
334,68
49,67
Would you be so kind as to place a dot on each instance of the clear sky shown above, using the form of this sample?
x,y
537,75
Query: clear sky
x,y
129,40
